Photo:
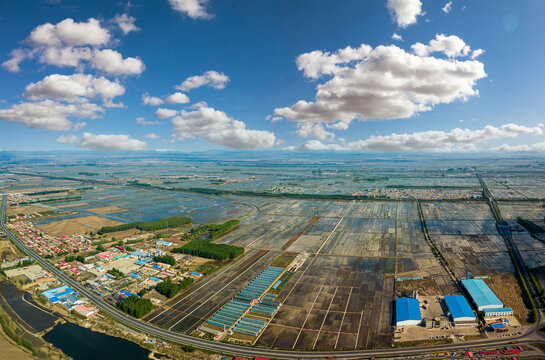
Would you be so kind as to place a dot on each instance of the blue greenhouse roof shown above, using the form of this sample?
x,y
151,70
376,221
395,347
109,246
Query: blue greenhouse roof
x,y
481,293
458,306
407,309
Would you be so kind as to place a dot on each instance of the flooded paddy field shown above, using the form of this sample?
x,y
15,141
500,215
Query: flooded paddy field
x,y
332,303
531,249
471,243
517,186
529,210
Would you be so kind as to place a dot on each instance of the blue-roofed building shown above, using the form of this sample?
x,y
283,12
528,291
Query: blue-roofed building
x,y
498,312
460,311
481,295
498,327
126,293
407,312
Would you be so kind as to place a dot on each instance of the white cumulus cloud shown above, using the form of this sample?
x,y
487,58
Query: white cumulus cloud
x,y
447,7
177,98
195,9
74,87
452,46
151,100
69,32
215,126
313,130
49,114
315,145
405,12
455,139
126,23
381,83
210,78
143,121
75,44
163,113
67,139
90,141
152,136
112,63
537,147
397,37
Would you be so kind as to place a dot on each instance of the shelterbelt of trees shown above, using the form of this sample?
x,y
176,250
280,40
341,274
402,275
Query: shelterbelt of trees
x,y
146,225
135,306
170,289
205,247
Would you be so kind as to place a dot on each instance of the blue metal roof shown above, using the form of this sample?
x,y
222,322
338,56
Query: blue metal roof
x,y
497,310
498,326
458,306
481,293
407,309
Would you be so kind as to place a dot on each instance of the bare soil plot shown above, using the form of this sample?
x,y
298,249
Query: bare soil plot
x,y
13,210
7,251
78,225
425,287
105,210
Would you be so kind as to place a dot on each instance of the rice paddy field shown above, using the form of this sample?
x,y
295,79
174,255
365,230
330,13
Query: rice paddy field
x,y
467,237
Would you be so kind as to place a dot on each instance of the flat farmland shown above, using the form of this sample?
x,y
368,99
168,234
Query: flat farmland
x,y
269,232
457,211
186,312
461,227
289,207
474,254
333,303
373,209
534,211
466,235
410,239
531,249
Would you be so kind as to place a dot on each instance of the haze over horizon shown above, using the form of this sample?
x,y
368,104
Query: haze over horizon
x,y
389,76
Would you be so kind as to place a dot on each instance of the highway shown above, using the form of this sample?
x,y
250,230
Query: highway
x,y
530,335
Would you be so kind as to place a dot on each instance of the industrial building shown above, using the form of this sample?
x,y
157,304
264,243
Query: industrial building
x,y
63,295
460,312
437,322
407,312
498,312
481,295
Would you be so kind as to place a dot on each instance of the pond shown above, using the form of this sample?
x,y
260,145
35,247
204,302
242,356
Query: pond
x,y
83,344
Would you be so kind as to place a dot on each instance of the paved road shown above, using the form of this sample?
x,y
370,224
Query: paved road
x,y
530,335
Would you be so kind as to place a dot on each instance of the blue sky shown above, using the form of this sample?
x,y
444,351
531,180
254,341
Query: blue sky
x,y
474,82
